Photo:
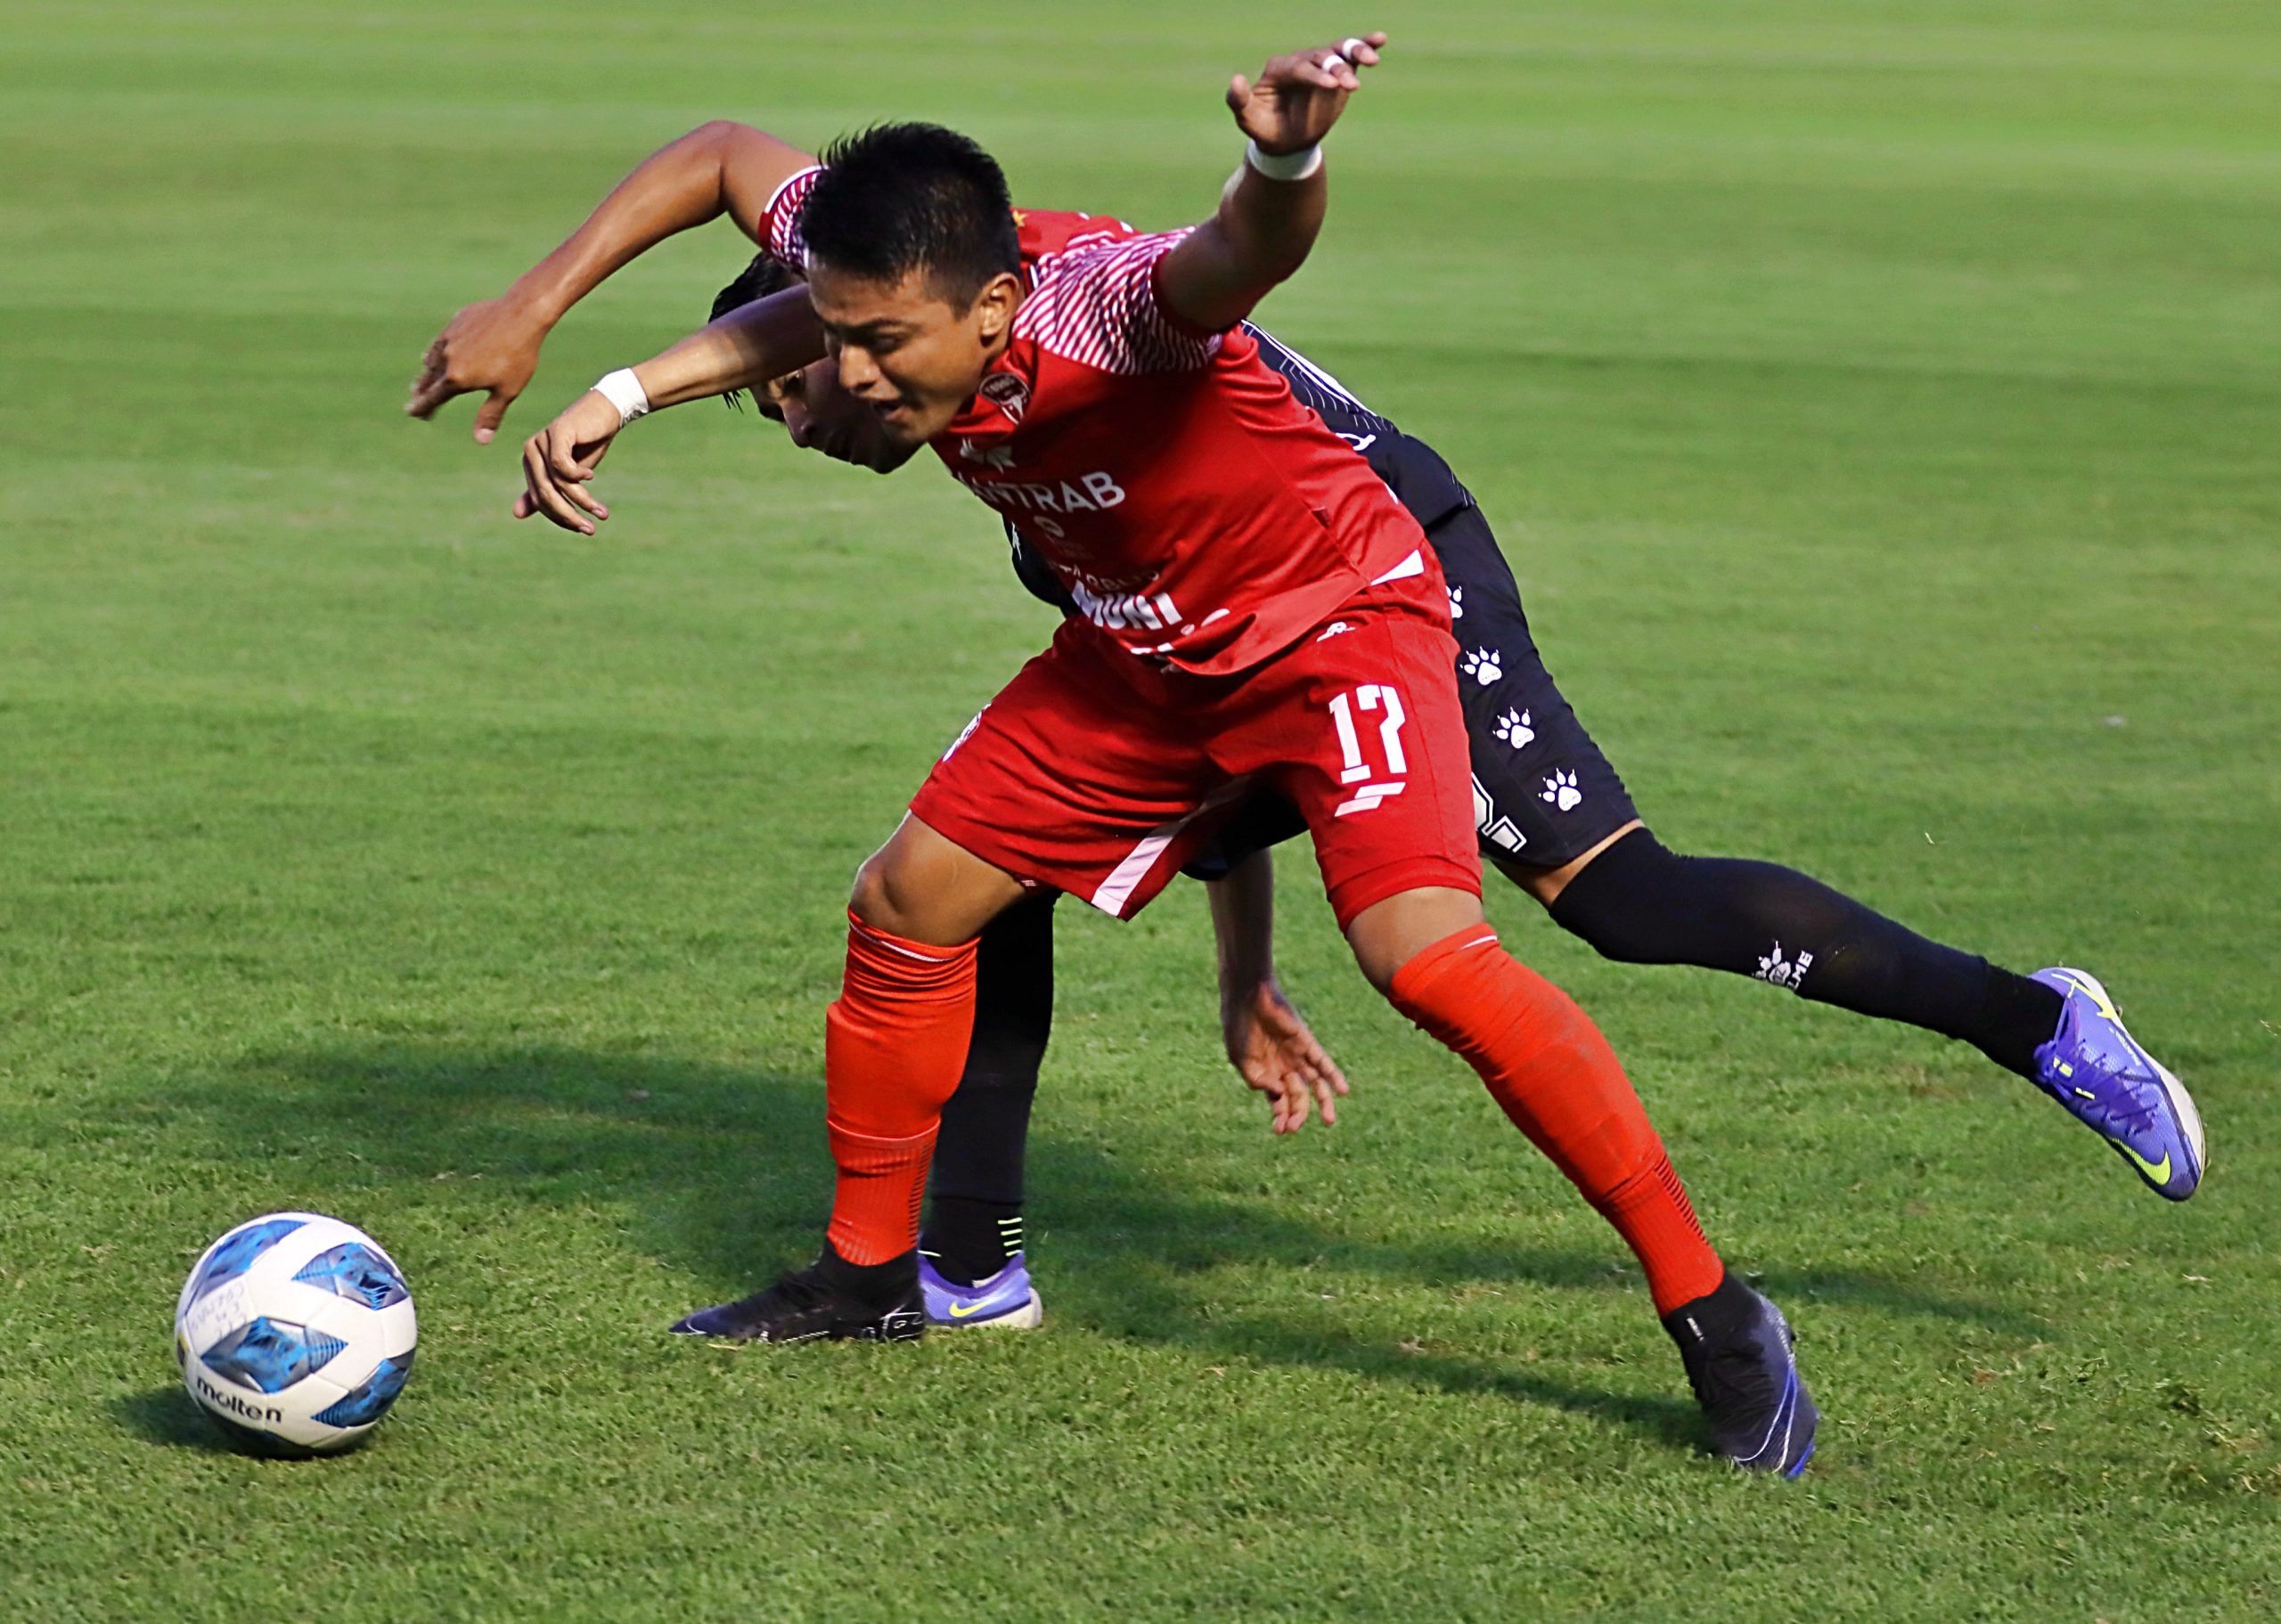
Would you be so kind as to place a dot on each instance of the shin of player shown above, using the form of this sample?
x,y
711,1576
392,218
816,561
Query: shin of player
x,y
1550,1070
896,1039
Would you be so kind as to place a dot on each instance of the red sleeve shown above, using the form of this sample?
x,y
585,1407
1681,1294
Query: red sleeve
x,y
781,220
1099,307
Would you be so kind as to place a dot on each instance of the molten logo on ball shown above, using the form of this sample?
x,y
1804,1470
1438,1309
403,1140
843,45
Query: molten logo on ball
x,y
295,1333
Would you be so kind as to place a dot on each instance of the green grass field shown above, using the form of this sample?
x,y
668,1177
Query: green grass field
x,y
1881,404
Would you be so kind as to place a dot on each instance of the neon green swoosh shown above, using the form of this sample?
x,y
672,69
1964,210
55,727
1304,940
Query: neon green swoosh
x,y
960,1311
2099,999
2160,1175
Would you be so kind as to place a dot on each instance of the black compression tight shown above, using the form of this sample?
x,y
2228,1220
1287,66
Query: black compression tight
x,y
974,1222
1640,903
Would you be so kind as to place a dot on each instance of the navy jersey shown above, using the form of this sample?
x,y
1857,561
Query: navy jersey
x,y
1411,468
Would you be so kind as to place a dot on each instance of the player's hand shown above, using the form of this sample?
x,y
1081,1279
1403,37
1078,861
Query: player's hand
x,y
1298,97
490,346
560,458
1276,1054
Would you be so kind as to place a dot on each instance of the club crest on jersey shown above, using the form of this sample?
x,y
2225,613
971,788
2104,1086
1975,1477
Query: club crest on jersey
x,y
989,456
1010,394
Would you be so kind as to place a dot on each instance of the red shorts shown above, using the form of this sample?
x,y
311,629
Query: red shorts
x,y
1097,774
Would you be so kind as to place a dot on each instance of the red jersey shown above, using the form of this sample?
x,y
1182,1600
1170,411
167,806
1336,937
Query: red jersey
x,y
1198,513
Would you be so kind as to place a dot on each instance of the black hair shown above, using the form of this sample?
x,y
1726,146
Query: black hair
x,y
764,275
899,198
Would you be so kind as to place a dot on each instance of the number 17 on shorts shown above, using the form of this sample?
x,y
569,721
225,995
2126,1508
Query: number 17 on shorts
x,y
1374,766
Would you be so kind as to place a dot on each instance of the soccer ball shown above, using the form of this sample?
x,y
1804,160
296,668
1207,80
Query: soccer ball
x,y
295,1334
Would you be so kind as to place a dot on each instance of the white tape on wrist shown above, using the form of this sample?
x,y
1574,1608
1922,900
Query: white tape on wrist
x,y
1285,165
624,390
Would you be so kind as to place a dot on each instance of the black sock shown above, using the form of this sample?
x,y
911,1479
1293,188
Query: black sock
x,y
1639,903
883,1285
970,1240
974,1224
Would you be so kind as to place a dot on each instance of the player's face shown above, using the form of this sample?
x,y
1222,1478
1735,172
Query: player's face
x,y
911,356
819,415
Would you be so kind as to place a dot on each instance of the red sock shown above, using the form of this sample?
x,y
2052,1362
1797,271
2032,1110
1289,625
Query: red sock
x,y
1553,1073
894,1042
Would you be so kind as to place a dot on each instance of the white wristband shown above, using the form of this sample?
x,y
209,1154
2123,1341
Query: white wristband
x,y
624,390
1285,165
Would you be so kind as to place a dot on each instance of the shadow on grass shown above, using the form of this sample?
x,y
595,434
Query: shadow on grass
x,y
726,1172
166,1416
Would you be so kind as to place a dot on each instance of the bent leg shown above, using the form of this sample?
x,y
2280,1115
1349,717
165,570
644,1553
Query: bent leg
x,y
897,1037
1372,755
1550,1070
1636,901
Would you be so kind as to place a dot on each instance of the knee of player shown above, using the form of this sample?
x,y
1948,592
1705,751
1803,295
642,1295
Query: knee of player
x,y
1621,902
1387,935
882,896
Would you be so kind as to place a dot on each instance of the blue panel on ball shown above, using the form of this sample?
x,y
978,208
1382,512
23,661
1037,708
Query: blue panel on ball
x,y
368,1403
270,1355
358,1273
237,1253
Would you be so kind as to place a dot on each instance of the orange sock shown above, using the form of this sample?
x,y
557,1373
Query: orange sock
x,y
894,1042
1553,1073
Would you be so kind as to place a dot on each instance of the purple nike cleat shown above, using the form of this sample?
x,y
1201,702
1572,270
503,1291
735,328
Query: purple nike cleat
x,y
1006,1299
2099,1072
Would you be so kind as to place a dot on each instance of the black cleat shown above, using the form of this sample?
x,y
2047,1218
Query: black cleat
x,y
1736,1346
823,1301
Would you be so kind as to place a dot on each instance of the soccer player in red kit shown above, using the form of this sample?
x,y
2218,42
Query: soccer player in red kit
x,y
1257,609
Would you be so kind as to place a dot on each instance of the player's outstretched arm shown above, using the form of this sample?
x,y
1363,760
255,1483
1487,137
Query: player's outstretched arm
x,y
1270,211
1268,1044
767,338
721,167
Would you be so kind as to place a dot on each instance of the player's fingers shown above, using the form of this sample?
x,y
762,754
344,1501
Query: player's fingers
x,y
488,415
428,391
1335,68
576,490
1291,1107
1327,1099
538,483
1239,93
1296,1102
552,507
570,474
1321,1075
425,388
562,456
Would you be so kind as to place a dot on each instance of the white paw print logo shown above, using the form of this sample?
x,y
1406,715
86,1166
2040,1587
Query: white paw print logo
x,y
1515,728
1457,603
1560,791
1783,972
1483,666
